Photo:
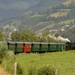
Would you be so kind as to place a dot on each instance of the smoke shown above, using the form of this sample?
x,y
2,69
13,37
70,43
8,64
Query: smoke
x,y
59,38
63,39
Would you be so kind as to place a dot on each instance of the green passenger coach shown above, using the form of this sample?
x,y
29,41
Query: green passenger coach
x,y
20,47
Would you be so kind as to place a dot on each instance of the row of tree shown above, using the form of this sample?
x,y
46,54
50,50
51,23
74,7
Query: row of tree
x,y
28,35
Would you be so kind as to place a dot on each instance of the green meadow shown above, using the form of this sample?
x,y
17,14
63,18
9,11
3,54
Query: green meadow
x,y
67,21
63,61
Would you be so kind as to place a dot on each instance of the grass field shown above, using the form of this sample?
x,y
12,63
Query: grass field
x,y
58,14
63,61
67,21
67,2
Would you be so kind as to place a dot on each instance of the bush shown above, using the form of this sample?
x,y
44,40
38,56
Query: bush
x,y
10,66
32,71
3,51
19,70
46,70
10,63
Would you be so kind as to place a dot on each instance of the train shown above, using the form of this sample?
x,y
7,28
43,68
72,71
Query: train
x,y
40,47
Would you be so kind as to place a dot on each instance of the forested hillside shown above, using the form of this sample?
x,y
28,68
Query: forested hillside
x,y
12,8
57,16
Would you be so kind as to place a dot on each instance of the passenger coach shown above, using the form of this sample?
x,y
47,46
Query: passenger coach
x,y
27,47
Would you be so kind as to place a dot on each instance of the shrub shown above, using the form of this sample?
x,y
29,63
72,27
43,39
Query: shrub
x,y
3,51
46,70
32,71
19,70
10,63
10,68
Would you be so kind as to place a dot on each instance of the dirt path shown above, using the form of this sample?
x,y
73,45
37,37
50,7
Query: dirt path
x,y
3,72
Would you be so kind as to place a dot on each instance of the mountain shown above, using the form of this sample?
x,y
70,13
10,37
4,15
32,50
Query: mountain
x,y
57,16
36,16
10,10
14,7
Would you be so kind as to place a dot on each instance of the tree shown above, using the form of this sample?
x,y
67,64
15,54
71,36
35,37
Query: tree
x,y
45,33
15,36
25,35
2,36
28,35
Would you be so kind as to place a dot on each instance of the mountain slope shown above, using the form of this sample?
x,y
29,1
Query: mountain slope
x,y
38,13
14,7
57,16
